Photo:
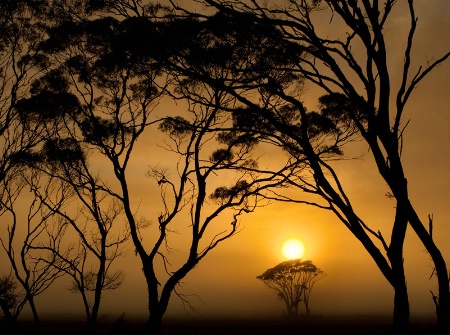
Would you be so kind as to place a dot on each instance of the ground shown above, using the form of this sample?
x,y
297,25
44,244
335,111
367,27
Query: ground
x,y
315,325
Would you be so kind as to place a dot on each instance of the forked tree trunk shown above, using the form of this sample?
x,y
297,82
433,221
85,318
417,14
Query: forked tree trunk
x,y
291,309
398,183
158,303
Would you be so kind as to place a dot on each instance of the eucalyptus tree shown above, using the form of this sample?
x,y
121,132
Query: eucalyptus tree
x,y
217,181
112,83
357,101
293,281
27,225
108,99
23,218
95,239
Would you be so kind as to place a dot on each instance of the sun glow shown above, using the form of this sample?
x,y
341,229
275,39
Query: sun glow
x,y
293,249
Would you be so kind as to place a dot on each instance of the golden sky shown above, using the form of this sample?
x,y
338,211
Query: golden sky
x,y
225,281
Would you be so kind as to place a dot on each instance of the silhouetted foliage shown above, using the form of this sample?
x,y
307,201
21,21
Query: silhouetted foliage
x,y
176,126
62,150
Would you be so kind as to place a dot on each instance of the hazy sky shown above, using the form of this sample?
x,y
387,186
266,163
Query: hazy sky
x,y
225,281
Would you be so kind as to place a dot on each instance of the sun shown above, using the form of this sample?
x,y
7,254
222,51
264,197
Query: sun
x,y
293,248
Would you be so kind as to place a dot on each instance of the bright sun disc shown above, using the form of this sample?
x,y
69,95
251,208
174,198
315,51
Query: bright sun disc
x,y
293,249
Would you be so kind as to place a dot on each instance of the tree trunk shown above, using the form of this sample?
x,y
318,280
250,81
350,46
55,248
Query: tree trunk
x,y
155,307
401,306
7,315
9,322
92,325
86,307
443,306
307,310
395,254
155,321
37,321
395,272
92,322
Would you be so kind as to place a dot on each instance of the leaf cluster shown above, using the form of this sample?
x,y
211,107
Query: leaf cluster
x,y
288,268
50,99
225,193
228,48
176,126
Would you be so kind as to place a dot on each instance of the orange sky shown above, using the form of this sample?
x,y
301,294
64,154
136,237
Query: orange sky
x,y
225,281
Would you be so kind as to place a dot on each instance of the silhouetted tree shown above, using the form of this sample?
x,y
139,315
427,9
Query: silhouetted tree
x,y
362,102
9,298
267,91
208,157
92,218
99,244
20,61
111,83
27,225
293,281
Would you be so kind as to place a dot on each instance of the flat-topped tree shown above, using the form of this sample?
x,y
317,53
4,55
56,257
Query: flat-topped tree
x,y
293,281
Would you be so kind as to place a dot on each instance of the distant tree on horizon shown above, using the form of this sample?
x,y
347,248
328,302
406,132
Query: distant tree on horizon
x,y
293,281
